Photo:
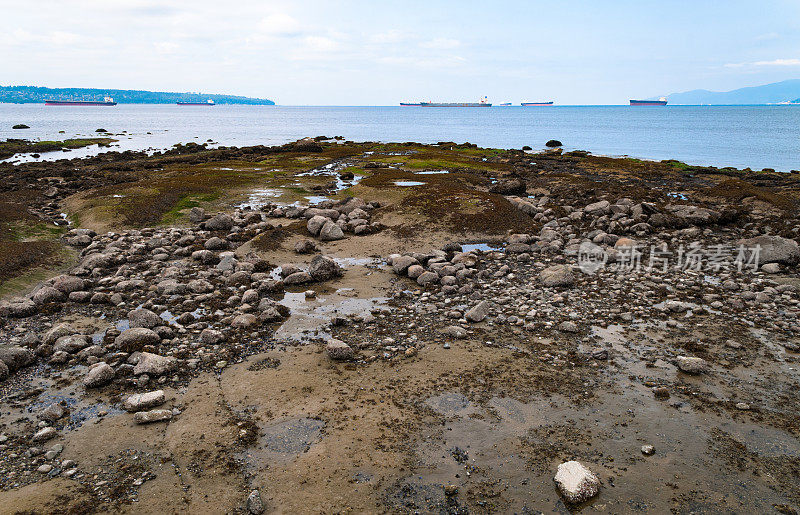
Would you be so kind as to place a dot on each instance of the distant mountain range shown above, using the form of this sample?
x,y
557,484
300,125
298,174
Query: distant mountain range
x,y
34,94
785,91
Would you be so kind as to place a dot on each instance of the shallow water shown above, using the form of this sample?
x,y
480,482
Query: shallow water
x,y
741,136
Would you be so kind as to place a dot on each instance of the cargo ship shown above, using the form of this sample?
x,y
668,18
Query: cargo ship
x,y
107,101
660,102
208,102
529,104
483,103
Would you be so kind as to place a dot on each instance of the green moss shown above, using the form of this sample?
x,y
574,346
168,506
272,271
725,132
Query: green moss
x,y
186,203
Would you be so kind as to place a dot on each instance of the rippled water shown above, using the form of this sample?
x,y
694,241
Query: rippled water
x,y
741,136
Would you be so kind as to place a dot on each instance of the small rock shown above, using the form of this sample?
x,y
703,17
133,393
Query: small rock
x,y
576,482
648,450
338,350
692,365
478,313
99,375
144,401
254,504
156,415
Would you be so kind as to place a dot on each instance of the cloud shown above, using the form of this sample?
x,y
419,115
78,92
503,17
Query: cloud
x,y
778,62
320,44
441,44
390,36
279,24
769,36
774,62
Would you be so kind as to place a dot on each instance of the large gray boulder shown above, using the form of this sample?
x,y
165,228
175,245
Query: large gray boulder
x,y
135,339
59,330
557,275
330,232
71,344
67,284
478,313
99,375
338,350
16,357
144,318
154,364
47,294
315,224
220,222
323,268
772,249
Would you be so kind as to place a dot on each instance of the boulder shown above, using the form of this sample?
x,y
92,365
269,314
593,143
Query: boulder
x,y
67,284
154,364
144,401
59,330
513,186
99,375
220,222
132,340
211,337
694,215
330,232
216,243
428,278
576,482
197,215
772,249
598,208
244,321
156,415
16,357
144,318
297,278
400,264
557,275
315,224
305,247
323,268
17,308
692,365
47,294
338,350
71,344
479,312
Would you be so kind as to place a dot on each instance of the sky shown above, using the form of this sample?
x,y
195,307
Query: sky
x,y
349,52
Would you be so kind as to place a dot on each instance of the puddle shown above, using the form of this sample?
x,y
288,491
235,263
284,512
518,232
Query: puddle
x,y
283,441
510,444
310,317
259,197
408,183
679,196
432,172
81,409
170,318
483,247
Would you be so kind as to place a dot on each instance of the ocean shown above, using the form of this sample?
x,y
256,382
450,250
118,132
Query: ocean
x,y
741,136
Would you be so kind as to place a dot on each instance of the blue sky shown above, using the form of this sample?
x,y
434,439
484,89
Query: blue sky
x,y
379,53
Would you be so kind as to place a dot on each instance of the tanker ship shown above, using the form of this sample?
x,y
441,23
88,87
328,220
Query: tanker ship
x,y
660,102
484,102
107,101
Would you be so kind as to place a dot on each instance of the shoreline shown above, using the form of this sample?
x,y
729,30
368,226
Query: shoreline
x,y
212,326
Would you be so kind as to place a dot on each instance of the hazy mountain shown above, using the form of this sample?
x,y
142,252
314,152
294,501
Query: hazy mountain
x,y
766,94
34,94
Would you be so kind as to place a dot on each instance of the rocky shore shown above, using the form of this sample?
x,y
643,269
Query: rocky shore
x,y
331,326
